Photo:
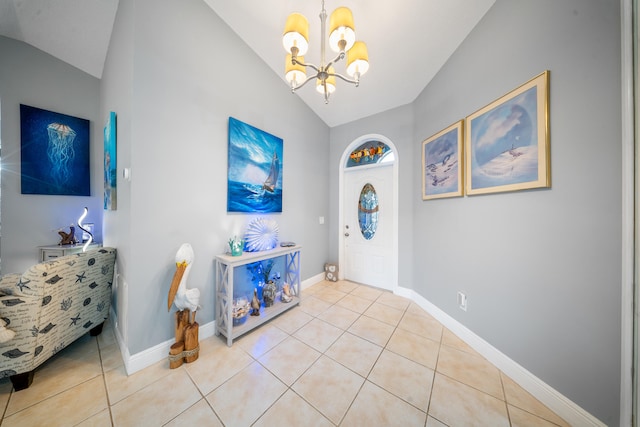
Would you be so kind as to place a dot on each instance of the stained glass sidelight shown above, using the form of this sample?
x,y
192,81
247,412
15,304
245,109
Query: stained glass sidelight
x,y
368,211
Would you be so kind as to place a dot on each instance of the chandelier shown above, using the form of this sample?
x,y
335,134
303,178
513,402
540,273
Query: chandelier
x,y
342,40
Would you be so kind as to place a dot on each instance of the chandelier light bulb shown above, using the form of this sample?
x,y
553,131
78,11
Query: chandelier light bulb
x,y
296,73
329,80
296,33
341,27
357,59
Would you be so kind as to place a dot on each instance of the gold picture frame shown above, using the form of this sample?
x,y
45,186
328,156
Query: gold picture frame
x,y
442,163
507,142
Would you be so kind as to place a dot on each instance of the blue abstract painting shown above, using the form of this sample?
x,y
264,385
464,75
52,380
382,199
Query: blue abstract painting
x,y
54,153
110,164
254,181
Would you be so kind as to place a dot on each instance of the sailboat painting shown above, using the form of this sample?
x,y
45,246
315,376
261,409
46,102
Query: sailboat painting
x,y
254,182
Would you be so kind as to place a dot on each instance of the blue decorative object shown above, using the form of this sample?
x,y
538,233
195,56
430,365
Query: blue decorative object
x,y
236,245
261,235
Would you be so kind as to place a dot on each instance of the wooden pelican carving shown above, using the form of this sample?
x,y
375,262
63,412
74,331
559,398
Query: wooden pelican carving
x,y
186,347
179,295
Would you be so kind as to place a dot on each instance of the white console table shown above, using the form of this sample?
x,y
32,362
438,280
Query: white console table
x,y
226,263
47,253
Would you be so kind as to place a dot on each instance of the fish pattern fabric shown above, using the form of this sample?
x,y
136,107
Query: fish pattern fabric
x,y
52,304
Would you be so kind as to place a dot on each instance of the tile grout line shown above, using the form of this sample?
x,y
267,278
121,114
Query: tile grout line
x,y
104,381
433,381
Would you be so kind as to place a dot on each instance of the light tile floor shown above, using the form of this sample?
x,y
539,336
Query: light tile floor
x,y
350,355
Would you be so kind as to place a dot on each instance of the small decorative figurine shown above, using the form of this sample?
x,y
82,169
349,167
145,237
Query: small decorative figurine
x,y
331,272
255,304
68,238
286,293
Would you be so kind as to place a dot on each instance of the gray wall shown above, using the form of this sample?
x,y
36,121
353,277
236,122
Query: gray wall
x,y
175,73
29,76
541,268
116,94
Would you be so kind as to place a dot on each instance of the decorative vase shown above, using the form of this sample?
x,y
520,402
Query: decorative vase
x,y
240,311
269,293
260,290
236,246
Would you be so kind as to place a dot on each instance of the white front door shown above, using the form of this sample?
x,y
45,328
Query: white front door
x,y
369,254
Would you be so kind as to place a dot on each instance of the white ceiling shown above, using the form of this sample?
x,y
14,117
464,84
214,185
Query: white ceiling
x,y
78,32
74,31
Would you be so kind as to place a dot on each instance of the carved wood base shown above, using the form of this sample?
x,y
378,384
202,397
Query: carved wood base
x,y
186,348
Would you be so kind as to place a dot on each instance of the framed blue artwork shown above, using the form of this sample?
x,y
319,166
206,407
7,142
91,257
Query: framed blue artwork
x,y
110,164
54,153
254,180
507,142
442,163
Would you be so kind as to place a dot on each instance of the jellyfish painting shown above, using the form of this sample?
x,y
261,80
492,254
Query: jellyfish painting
x,y
60,151
54,153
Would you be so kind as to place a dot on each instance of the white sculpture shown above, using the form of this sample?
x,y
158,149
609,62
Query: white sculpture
x,y
182,297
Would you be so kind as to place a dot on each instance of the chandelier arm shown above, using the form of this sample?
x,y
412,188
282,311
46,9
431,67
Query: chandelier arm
x,y
305,82
336,59
317,70
326,92
348,80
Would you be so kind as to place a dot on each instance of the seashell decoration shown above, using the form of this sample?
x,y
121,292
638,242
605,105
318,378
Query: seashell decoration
x,y
286,293
240,310
261,235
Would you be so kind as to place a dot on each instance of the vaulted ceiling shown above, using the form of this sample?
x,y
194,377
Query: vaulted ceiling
x,y
408,41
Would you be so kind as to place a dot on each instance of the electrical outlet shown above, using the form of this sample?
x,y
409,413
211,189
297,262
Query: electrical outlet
x,y
462,300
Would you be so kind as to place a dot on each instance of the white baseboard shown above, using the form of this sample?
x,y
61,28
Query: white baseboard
x,y
312,280
146,358
565,408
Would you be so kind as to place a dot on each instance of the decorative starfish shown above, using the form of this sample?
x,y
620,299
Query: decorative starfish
x,y
80,277
23,285
74,320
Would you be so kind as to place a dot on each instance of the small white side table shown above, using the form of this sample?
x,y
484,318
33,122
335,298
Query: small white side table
x,y
225,265
47,253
